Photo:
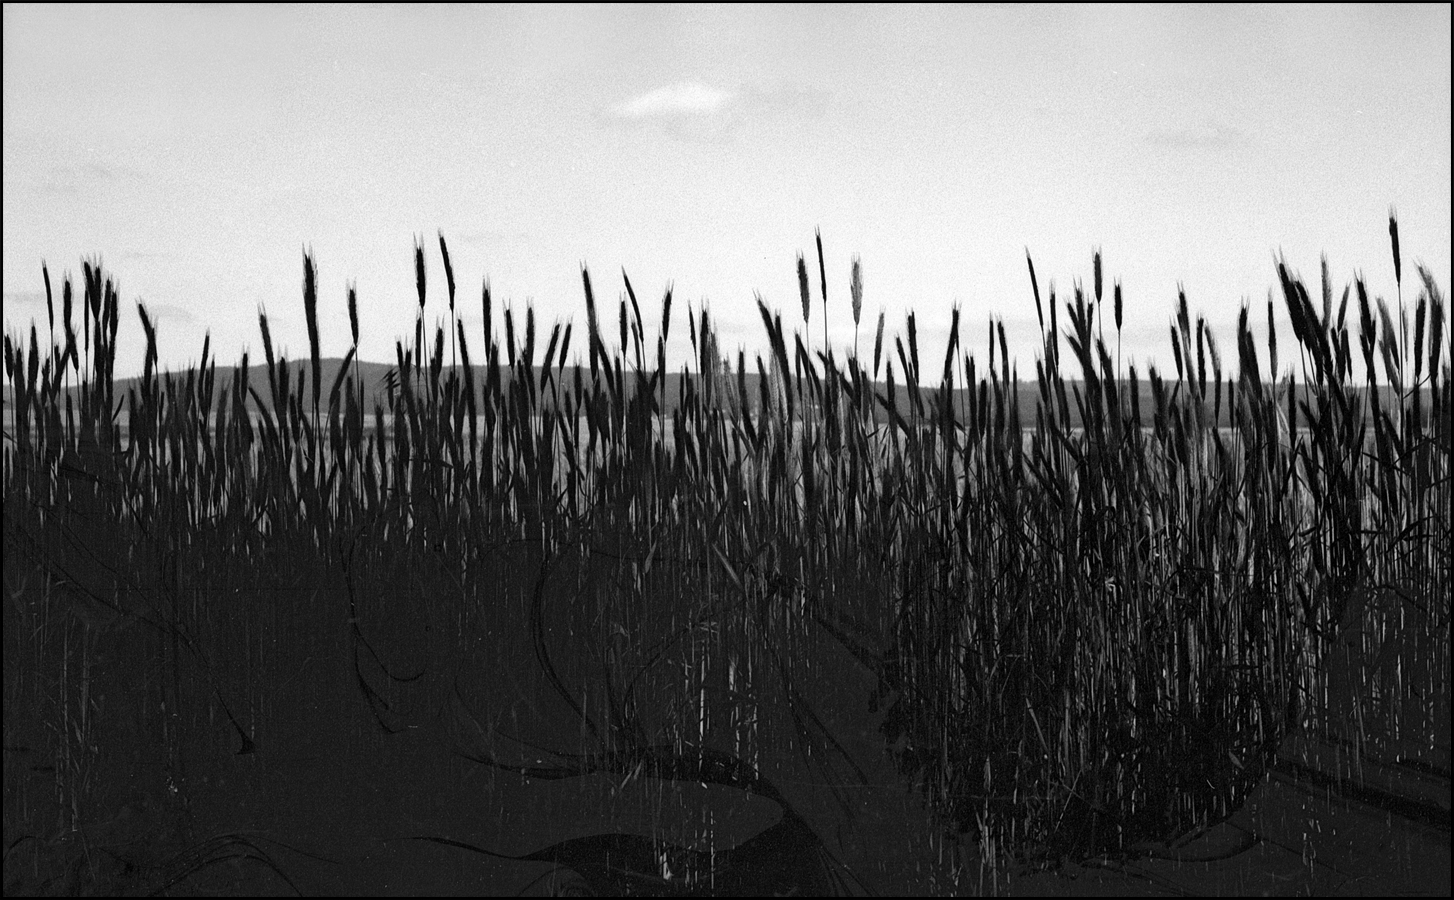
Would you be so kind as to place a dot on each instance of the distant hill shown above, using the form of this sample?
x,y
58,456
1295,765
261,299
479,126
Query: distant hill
x,y
373,377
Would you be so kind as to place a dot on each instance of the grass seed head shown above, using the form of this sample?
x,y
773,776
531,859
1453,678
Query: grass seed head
x,y
448,271
1393,237
822,271
803,286
353,312
878,343
856,288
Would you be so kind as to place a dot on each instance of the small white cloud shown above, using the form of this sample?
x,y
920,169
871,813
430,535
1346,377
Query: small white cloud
x,y
698,113
689,98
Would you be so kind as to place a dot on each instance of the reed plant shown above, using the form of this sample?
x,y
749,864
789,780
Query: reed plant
x,y
1091,610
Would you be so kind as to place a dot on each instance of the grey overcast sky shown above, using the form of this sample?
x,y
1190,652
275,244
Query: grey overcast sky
x,y
198,150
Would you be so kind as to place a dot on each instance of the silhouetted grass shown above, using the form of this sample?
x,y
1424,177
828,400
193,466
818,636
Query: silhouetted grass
x,y
1091,619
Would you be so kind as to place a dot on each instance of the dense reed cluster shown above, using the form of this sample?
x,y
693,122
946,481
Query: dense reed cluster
x,y
1090,607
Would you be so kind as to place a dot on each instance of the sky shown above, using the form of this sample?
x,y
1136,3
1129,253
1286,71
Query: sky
x,y
197,151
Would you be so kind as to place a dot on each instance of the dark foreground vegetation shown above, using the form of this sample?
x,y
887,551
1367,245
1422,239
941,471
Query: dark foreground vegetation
x,y
1088,621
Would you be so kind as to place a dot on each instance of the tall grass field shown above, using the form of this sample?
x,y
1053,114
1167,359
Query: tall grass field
x,y
1079,609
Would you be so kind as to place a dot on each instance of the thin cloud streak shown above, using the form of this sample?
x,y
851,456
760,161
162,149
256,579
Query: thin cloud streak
x,y
80,179
1195,137
24,298
169,312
